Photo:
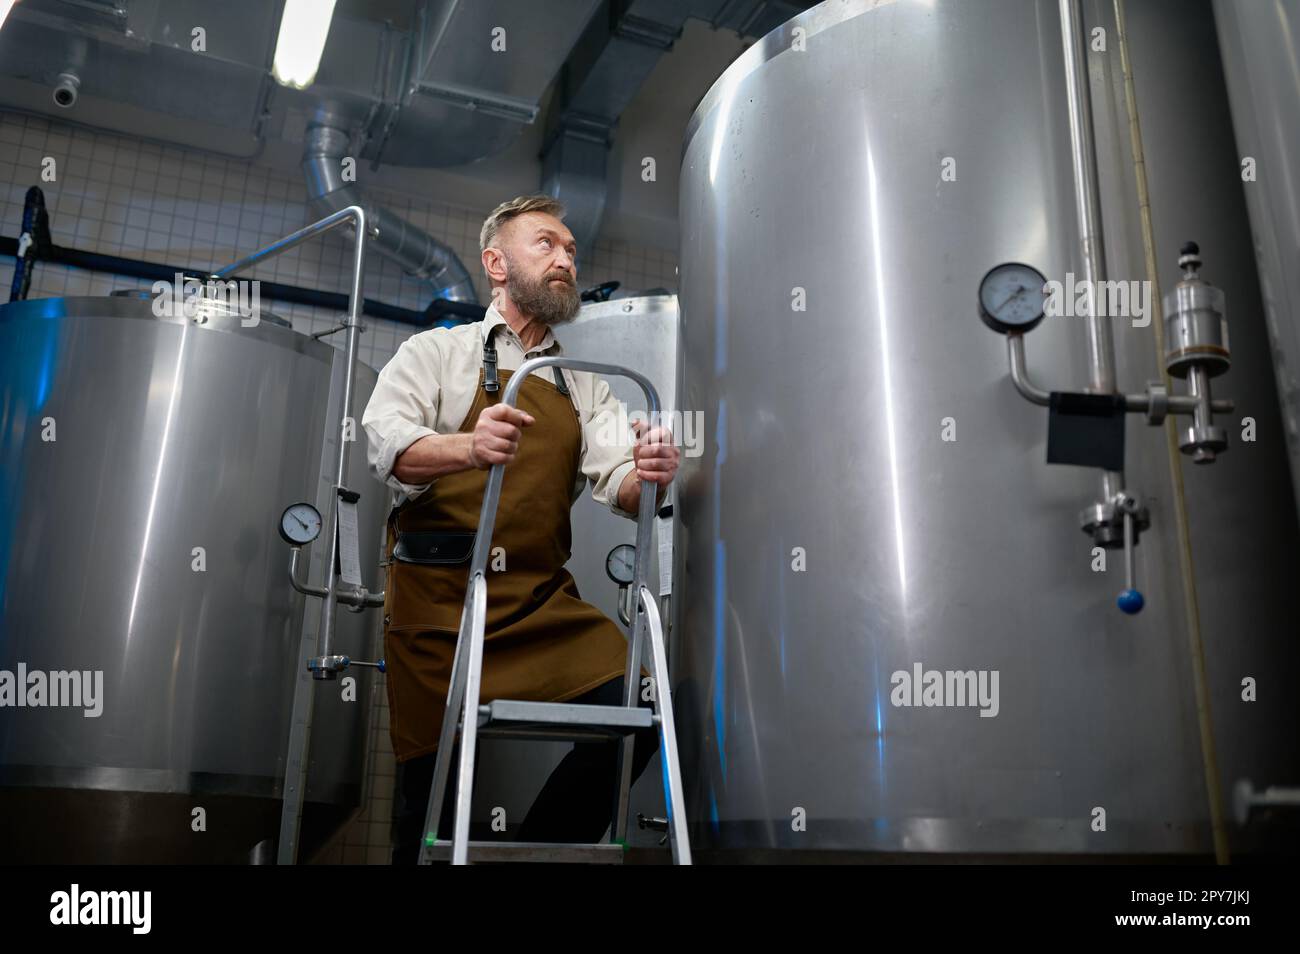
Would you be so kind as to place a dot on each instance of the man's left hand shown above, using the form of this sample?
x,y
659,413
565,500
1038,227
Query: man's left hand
x,y
655,455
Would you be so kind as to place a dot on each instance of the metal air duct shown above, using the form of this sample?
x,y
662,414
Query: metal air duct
x,y
416,251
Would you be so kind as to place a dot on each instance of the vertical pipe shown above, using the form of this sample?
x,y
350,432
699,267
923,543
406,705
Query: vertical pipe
x,y
1087,201
1191,601
295,773
295,776
1198,386
346,425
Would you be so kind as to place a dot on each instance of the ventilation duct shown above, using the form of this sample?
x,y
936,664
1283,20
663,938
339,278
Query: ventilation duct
x,y
419,253
617,52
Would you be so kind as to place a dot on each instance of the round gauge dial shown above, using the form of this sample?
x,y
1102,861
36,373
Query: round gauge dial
x,y
300,524
621,564
1012,297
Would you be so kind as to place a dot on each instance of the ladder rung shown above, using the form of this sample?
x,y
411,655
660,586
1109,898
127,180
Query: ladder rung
x,y
509,718
540,851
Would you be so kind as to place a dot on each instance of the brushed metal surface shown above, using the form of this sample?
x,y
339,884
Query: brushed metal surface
x,y
170,435
1260,43
821,170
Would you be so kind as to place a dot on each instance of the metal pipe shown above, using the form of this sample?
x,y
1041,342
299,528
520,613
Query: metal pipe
x,y
1193,403
1198,387
349,378
304,588
355,215
355,598
1246,798
1178,403
1087,199
419,253
439,310
295,782
1020,374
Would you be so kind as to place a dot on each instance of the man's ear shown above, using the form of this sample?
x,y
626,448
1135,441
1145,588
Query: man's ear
x,y
494,263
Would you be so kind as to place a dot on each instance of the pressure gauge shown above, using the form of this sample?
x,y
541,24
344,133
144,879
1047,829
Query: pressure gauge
x,y
300,524
1012,298
621,564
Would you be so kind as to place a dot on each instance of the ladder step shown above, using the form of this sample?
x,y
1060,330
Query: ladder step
x,y
509,718
533,851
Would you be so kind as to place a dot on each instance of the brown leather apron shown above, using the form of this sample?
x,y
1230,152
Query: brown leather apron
x,y
542,643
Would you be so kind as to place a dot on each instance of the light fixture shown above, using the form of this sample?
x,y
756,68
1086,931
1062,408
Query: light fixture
x,y
5,7
303,30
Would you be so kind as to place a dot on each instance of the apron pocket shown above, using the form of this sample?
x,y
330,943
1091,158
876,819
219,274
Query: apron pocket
x,y
427,597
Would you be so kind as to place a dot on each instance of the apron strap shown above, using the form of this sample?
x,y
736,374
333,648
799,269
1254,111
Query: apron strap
x,y
490,381
490,384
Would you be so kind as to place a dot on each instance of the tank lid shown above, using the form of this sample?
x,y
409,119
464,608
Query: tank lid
x,y
642,304
271,330
812,21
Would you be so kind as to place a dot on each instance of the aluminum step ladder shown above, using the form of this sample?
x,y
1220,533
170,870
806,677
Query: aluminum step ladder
x,y
555,720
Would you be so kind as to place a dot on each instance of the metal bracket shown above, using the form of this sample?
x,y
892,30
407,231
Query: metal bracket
x,y
1157,402
490,104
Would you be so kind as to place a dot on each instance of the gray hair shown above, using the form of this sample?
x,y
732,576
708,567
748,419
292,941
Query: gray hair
x,y
517,206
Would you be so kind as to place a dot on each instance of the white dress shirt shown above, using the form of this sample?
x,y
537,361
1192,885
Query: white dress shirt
x,y
429,386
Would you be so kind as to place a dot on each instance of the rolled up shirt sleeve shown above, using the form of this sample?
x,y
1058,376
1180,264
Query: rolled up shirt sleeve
x,y
401,410
607,448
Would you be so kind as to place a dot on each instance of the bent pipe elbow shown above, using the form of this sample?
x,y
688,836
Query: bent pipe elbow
x,y
417,252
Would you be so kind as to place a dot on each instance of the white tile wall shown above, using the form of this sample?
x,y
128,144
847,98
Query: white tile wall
x,y
177,207
182,208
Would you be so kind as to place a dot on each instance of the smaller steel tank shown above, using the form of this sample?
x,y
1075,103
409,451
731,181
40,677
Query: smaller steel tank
x,y
146,461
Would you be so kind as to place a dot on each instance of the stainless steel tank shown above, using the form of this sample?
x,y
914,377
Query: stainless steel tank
x,y
831,536
146,462
1261,60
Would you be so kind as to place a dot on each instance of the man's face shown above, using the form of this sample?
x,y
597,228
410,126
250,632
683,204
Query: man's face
x,y
541,275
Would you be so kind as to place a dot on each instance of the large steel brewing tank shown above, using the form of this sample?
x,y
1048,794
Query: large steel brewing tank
x,y
820,173
171,434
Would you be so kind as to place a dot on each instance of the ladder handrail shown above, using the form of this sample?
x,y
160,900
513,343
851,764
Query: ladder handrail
x,y
476,614
677,836
492,495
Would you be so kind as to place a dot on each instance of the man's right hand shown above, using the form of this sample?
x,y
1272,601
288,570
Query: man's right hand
x,y
495,438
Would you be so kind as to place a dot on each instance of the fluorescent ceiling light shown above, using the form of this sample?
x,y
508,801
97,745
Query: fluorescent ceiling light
x,y
303,29
5,7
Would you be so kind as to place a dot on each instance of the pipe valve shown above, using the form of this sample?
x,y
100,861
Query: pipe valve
x,y
1196,349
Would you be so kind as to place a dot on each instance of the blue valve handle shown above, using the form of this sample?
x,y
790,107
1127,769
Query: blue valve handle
x,y
1131,601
